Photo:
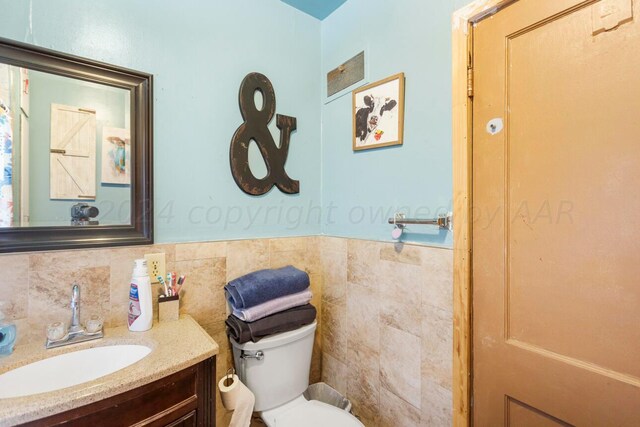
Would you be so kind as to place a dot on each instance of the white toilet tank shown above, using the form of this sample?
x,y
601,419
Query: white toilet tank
x,y
283,373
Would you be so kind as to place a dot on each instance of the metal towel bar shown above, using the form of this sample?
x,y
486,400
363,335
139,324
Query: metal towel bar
x,y
444,221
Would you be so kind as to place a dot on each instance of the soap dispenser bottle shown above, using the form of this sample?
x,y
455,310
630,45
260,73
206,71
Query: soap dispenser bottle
x,y
140,298
7,335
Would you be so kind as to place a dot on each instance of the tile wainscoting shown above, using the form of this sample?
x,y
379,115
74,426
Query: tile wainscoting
x,y
37,286
387,330
384,335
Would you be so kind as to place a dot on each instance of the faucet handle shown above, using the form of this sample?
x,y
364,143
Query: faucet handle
x,y
56,331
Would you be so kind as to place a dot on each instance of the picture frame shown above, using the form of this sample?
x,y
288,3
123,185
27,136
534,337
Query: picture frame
x,y
345,68
116,156
378,114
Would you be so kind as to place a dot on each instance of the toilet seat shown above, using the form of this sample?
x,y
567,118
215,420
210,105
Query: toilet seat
x,y
309,413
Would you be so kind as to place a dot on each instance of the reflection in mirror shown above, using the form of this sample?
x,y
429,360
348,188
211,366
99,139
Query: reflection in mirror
x,y
65,151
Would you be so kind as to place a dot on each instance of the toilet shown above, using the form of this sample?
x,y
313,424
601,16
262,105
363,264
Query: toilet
x,y
276,370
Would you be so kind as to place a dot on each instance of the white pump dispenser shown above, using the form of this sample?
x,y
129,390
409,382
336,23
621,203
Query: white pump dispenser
x,y
140,298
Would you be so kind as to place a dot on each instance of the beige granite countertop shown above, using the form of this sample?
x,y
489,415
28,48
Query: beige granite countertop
x,y
175,346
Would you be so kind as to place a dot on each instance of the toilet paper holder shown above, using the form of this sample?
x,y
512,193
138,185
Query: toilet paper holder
x,y
258,355
228,378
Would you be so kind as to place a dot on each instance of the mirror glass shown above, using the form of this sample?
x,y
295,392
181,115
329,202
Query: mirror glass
x,y
65,151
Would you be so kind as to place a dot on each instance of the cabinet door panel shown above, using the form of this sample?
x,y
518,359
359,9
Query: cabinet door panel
x,y
188,420
183,399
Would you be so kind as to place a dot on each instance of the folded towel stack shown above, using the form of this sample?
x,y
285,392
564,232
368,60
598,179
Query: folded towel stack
x,y
268,302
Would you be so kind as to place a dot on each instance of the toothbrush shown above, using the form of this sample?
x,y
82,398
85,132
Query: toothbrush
x,y
170,284
163,283
174,283
181,281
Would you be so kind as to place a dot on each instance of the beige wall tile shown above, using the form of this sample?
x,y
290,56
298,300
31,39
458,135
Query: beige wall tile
x,y
316,289
384,310
307,259
363,260
61,260
334,331
438,274
23,331
202,296
401,314
334,373
334,244
363,317
437,346
200,250
399,252
400,369
314,242
334,269
288,244
217,329
395,412
50,296
437,404
314,256
315,372
246,256
169,250
15,286
400,295
363,383
298,259
316,284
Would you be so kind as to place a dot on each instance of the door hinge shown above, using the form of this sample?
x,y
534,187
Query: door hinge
x,y
470,81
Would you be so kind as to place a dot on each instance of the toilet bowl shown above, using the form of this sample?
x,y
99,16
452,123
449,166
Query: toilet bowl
x,y
276,370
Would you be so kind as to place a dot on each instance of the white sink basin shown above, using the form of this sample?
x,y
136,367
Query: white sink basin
x,y
69,369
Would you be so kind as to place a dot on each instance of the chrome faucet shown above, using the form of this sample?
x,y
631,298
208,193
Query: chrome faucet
x,y
74,326
76,332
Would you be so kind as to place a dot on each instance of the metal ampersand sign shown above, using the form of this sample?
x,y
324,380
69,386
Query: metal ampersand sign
x,y
255,128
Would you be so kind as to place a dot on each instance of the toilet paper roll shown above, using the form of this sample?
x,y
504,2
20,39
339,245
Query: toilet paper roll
x,y
238,398
230,393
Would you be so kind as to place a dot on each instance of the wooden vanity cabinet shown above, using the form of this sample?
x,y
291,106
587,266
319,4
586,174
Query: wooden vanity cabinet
x,y
183,399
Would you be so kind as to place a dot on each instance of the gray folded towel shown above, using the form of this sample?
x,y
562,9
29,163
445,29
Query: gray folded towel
x,y
284,321
264,285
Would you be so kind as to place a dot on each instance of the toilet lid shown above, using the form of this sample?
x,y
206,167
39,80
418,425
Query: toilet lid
x,y
316,414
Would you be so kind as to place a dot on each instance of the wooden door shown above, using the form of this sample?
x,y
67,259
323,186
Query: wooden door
x,y
556,203
73,153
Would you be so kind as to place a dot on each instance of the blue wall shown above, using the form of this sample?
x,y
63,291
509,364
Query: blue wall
x,y
199,53
365,188
114,201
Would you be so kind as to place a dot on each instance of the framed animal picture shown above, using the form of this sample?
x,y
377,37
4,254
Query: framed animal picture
x,y
378,113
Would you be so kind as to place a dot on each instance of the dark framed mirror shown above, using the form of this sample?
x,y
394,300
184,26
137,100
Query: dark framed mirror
x,y
75,152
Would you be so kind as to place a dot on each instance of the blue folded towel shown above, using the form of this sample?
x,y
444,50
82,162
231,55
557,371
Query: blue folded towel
x,y
265,285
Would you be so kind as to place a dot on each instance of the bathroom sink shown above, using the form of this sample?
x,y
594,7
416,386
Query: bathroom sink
x,y
69,369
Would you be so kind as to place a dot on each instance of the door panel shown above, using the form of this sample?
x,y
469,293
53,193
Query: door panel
x,y
556,238
73,153
522,415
